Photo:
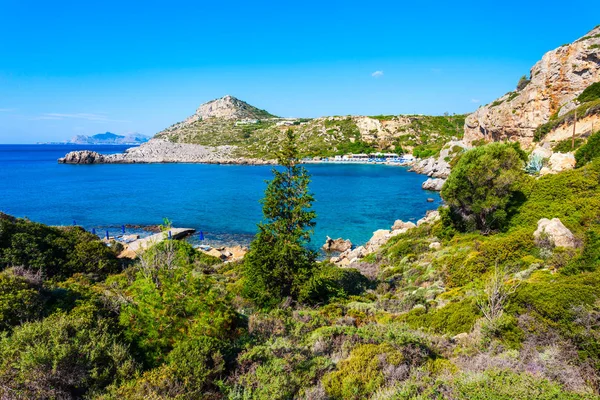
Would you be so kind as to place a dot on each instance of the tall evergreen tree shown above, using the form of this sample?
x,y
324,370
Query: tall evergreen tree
x,y
279,261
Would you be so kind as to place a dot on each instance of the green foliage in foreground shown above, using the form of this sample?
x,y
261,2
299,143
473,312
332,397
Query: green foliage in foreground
x,y
54,252
484,186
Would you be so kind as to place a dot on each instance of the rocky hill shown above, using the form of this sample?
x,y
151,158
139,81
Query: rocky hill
x,y
254,132
550,94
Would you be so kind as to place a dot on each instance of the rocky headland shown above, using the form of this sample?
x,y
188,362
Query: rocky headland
x,y
163,151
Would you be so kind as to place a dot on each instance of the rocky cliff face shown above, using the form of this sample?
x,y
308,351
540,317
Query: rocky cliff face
x,y
556,81
227,108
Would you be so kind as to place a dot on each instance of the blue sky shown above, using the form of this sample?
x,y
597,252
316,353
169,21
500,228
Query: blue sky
x,y
71,67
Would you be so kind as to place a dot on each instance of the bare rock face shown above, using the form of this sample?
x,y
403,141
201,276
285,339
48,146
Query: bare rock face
x,y
440,167
553,231
556,81
434,184
338,244
227,107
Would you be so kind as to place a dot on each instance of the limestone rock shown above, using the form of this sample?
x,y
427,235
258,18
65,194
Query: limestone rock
x,y
432,216
440,167
435,245
555,232
434,184
338,244
556,81
561,162
379,238
401,225
82,157
542,151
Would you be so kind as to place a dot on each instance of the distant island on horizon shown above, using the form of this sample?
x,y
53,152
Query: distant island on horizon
x,y
106,138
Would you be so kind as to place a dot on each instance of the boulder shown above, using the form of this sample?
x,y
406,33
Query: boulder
x,y
401,225
435,245
542,151
379,238
82,157
430,217
555,232
338,244
560,162
434,184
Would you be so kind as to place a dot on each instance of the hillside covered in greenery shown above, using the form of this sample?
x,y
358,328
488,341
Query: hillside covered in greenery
x,y
328,136
471,306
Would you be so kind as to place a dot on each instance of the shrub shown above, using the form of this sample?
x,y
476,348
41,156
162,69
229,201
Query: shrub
x,y
590,93
331,282
523,82
505,384
454,318
173,305
63,356
56,252
485,187
362,373
588,151
20,300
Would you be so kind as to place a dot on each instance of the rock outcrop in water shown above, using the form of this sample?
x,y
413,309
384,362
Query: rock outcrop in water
x,y
555,82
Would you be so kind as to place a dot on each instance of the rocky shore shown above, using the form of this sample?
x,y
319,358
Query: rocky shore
x,y
163,151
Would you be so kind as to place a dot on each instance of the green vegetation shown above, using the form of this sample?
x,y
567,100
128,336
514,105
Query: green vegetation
x,y
589,151
523,82
590,93
565,146
485,185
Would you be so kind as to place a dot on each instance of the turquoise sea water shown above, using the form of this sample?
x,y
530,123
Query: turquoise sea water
x,y
352,201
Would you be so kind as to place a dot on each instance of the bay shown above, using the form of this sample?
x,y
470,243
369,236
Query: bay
x,y
352,201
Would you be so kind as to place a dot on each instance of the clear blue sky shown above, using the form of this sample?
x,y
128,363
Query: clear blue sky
x,y
78,67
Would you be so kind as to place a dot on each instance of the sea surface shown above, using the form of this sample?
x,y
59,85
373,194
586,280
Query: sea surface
x,y
222,201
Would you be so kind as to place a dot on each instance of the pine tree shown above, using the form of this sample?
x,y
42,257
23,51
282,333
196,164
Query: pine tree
x,y
279,261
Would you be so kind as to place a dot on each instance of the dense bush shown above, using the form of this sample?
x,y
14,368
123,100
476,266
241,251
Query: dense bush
x,y
573,196
485,187
172,304
20,300
56,252
590,93
64,356
454,318
589,151
331,282
363,372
